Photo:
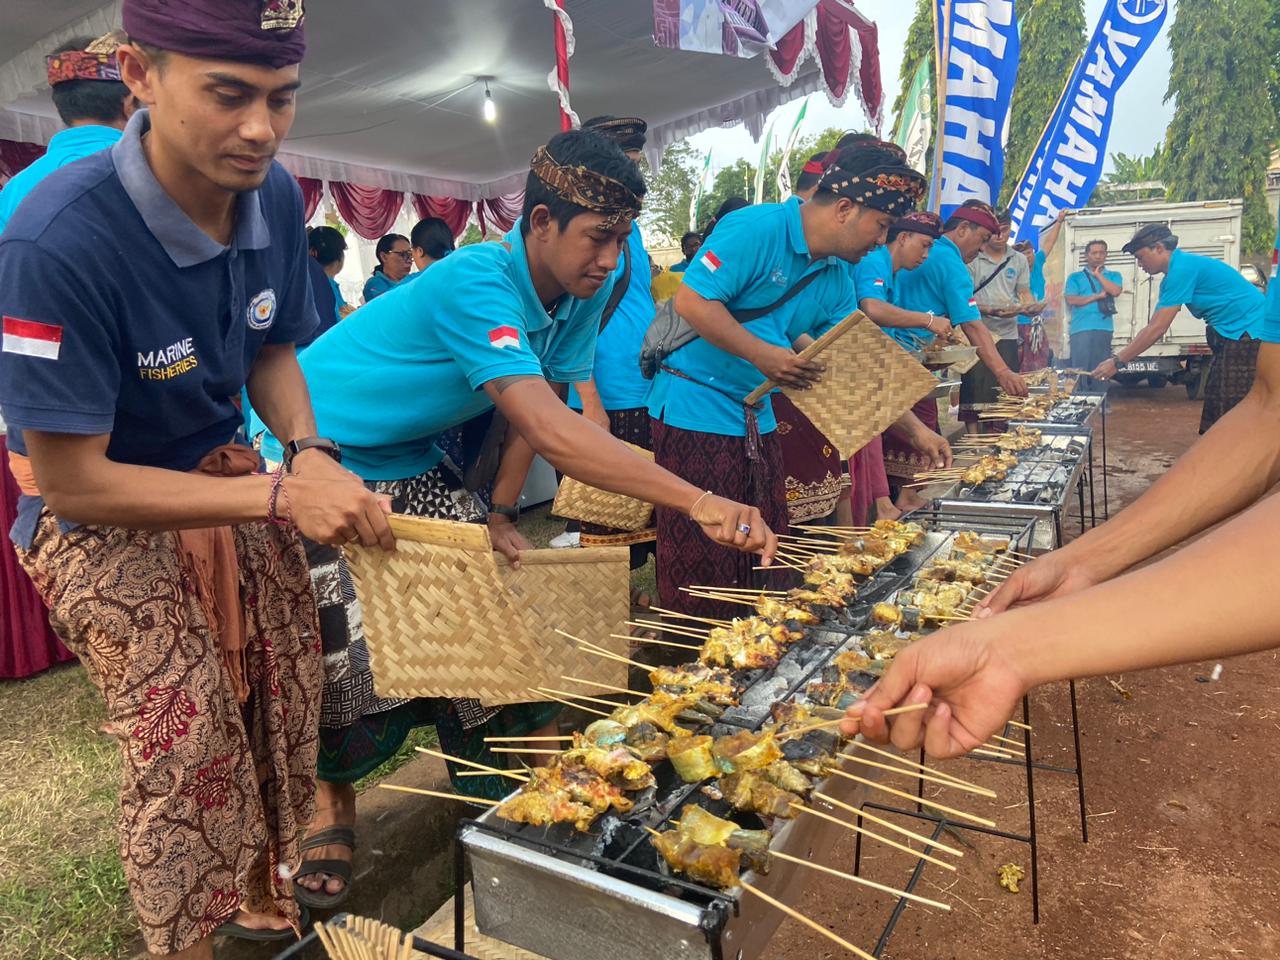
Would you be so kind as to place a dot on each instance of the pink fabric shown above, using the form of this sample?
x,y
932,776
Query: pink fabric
x,y
787,53
369,211
27,643
502,212
452,211
870,482
872,87
312,194
835,51
15,156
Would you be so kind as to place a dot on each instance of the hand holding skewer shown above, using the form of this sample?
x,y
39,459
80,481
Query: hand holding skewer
x,y
734,525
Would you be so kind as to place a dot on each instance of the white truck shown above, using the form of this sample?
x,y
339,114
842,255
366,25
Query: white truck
x,y
1211,228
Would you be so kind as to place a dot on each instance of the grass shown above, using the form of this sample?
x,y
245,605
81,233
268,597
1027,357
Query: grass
x,y
62,889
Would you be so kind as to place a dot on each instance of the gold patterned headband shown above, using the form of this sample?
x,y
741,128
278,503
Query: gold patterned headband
x,y
584,187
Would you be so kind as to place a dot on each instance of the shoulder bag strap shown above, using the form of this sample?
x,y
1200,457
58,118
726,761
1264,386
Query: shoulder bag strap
x,y
619,289
755,313
994,274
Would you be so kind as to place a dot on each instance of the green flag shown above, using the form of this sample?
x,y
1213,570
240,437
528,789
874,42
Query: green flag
x,y
704,183
914,128
766,145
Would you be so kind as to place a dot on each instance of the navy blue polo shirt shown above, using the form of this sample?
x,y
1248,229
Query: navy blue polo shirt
x,y
122,317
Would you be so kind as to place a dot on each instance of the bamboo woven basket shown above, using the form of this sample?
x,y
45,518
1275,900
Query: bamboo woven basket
x,y
438,620
586,593
577,501
870,381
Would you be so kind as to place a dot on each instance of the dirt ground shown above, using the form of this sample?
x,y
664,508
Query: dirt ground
x,y
1183,858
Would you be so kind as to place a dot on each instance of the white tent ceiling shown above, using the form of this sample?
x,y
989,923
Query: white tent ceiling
x,y
390,95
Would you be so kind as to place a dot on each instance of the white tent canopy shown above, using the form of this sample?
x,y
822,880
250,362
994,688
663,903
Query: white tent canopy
x,y
391,96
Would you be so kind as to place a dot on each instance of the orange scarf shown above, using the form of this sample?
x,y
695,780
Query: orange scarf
x,y
209,556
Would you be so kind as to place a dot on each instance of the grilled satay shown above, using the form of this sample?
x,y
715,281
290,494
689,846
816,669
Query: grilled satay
x,y
748,644
784,612
711,864
712,684
617,764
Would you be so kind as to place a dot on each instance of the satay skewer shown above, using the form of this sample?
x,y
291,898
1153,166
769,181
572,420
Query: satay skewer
x,y
654,641
679,630
441,794
577,696
872,835
567,703
893,712
725,598
689,616
493,771
919,775
901,894
863,745
812,925
603,686
864,815
751,590
560,738
540,751
928,803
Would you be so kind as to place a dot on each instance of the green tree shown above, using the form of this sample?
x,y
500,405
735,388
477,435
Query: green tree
x,y
666,204
1052,40
1144,175
470,235
1224,124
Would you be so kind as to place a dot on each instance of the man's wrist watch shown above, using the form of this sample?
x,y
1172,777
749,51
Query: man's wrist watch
x,y
1117,361
511,512
295,447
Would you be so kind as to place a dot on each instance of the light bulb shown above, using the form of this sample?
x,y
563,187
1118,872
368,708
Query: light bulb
x,y
490,110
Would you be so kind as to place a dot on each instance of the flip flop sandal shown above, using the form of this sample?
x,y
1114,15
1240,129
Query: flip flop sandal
x,y
318,899
239,932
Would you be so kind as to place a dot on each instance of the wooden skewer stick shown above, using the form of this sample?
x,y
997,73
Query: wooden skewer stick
x,y
999,754
863,745
920,775
928,803
567,736
591,648
1021,745
682,630
689,616
494,771
538,751
724,598
863,815
781,565
441,794
577,696
1020,726
567,703
872,835
750,590
656,641
602,686
816,927
909,708
901,894
996,748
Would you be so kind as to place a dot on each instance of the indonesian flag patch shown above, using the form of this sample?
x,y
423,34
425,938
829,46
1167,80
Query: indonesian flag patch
x,y
31,339
710,261
878,282
973,302
1275,263
503,337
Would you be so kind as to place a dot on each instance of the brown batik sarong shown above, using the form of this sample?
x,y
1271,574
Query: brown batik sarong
x,y
214,794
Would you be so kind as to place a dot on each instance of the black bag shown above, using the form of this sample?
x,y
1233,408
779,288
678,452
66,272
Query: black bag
x,y
1107,305
669,331
619,289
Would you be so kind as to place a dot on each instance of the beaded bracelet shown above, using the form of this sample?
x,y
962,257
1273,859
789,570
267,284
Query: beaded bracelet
x,y
277,485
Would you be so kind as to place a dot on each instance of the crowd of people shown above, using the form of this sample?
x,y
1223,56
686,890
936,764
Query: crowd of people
x,y
199,422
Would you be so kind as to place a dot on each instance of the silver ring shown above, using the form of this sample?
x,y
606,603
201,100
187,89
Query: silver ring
x,y
744,528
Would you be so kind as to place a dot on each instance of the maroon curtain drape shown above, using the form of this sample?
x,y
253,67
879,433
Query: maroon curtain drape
x,y
789,49
27,642
369,211
835,51
500,212
15,155
452,211
312,194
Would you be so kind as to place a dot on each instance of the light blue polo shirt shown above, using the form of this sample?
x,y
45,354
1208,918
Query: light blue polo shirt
x,y
1089,317
1273,295
1038,285
66,146
379,284
617,374
754,256
403,369
1215,292
941,284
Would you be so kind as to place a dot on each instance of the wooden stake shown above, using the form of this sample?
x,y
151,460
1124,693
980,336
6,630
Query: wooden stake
x,y
816,927
901,894
441,794
871,835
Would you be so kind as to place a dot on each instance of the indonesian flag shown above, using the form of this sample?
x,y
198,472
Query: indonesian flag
x,y
503,337
1275,263
878,282
710,261
973,302
31,339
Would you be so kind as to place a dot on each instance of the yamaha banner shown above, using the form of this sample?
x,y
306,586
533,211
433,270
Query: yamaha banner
x,y
1067,165
979,43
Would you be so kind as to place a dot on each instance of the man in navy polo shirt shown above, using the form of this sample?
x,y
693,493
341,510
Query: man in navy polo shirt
x,y
142,288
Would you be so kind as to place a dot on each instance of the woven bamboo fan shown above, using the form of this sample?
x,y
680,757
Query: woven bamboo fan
x,y
437,619
577,501
870,381
584,592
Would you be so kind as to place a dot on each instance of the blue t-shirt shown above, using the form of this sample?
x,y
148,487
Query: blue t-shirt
x,y
122,317
1089,317
941,285
680,266
66,146
755,255
617,375
1215,292
873,276
1273,295
393,376
379,284
1038,285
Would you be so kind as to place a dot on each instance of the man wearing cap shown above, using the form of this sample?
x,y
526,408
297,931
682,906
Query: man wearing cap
x,y
142,288
767,277
1212,291
614,395
84,80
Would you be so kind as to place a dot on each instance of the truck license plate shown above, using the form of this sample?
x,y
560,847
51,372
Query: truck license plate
x,y
1142,366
